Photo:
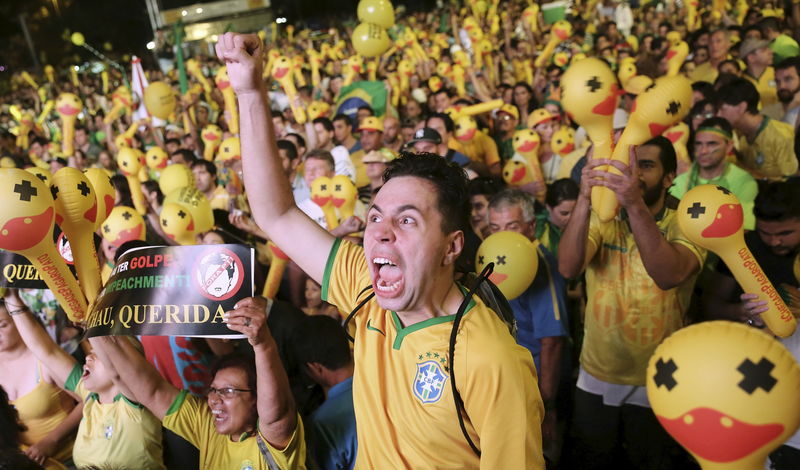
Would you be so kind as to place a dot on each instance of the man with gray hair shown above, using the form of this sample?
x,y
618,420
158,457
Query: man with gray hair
x,y
540,311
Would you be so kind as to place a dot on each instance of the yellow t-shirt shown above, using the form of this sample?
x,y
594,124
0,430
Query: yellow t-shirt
x,y
481,148
404,406
765,84
627,315
771,155
190,418
121,434
220,199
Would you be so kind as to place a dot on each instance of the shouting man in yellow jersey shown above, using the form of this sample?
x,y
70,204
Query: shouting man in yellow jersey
x,y
404,404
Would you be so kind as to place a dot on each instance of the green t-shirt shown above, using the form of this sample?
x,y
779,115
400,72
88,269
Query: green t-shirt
x,y
783,47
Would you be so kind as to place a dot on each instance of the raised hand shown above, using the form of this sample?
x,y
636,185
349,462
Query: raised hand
x,y
242,54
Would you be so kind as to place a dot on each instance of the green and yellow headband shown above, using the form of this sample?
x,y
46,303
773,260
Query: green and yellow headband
x,y
716,130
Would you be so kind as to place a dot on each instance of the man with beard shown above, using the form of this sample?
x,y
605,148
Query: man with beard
x,y
640,272
713,141
787,79
775,244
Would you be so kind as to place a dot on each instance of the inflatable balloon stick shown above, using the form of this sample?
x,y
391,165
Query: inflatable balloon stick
x,y
355,66
193,67
104,80
589,94
73,76
228,95
627,70
726,392
563,141
230,149
458,79
321,189
315,61
275,274
530,16
129,162
654,111
50,73
526,143
465,128
178,224
123,224
344,195
297,67
103,192
122,101
679,136
26,123
318,109
282,72
712,217
26,228
156,158
175,176
456,112
676,55
29,80
46,110
195,202
515,262
405,70
560,31
44,175
68,106
76,214
211,135
517,172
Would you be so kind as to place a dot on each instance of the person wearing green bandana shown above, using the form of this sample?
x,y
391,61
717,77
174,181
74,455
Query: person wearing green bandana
x,y
712,142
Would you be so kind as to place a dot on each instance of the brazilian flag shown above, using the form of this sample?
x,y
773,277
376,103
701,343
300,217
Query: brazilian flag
x,y
365,93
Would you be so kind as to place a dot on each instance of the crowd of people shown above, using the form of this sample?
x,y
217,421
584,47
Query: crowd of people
x,y
433,376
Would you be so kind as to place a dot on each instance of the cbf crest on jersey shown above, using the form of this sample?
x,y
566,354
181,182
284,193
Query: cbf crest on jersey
x,y
430,381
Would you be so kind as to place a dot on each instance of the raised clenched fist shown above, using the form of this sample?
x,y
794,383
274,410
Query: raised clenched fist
x,y
242,54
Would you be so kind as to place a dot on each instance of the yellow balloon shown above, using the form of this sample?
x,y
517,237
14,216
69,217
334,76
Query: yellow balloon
x,y
379,12
156,158
77,39
229,149
712,217
41,173
195,202
370,40
321,194
130,163
178,224
726,392
515,262
103,191
26,228
159,99
175,176
344,195
589,94
76,214
122,225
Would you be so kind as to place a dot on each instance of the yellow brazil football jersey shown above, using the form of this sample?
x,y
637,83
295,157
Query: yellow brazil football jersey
x,y
190,418
627,315
771,155
121,434
765,84
481,148
401,387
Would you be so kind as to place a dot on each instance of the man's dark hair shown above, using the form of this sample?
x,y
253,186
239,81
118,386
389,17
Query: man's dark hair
x,y
289,147
323,155
81,127
718,122
237,361
188,155
448,178
449,125
343,117
120,183
484,185
279,114
324,122
323,341
666,153
40,140
778,201
367,108
210,167
153,186
704,88
561,190
301,142
737,91
789,63
172,141
769,22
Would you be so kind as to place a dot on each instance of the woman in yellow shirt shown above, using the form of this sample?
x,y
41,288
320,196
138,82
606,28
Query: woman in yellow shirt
x,y
115,431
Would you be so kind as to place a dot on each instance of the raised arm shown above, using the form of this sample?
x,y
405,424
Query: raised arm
x,y
137,375
267,186
59,364
574,249
277,415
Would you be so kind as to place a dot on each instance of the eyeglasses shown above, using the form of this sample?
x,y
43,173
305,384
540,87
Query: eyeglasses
x,y
704,116
226,392
505,117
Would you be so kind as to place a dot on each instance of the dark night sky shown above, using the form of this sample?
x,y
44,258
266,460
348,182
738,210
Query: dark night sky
x,y
122,23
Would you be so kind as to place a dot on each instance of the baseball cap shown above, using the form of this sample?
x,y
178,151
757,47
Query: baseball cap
x,y
539,116
426,134
509,109
382,155
751,45
371,123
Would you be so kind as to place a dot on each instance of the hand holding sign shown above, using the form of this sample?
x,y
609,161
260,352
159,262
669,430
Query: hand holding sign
x,y
249,317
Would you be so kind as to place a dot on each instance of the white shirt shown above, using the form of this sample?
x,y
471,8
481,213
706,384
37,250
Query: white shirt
x,y
343,164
